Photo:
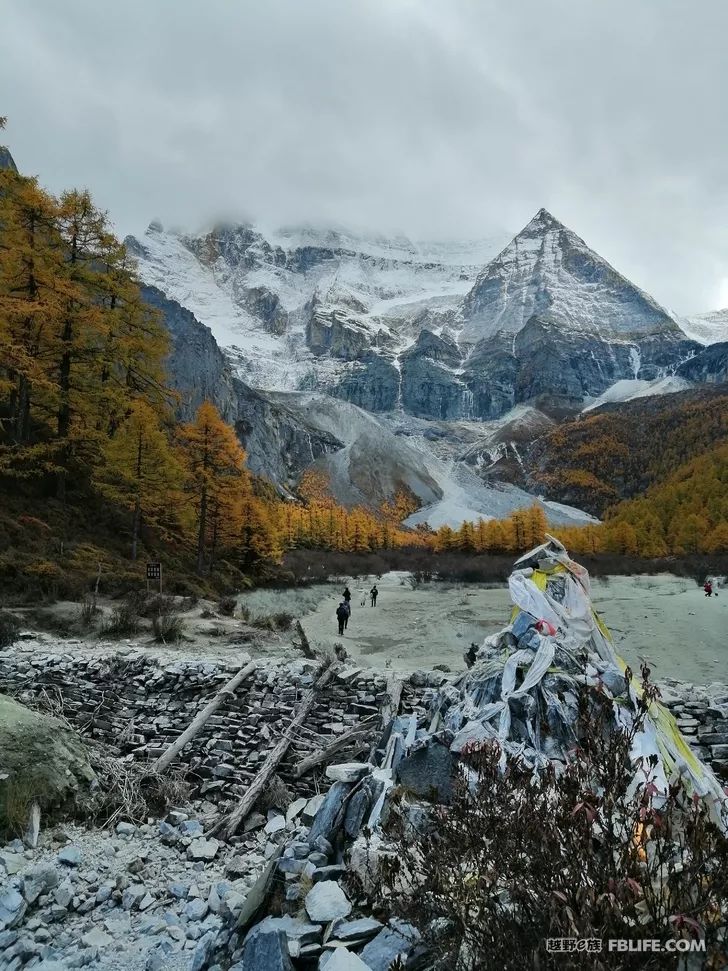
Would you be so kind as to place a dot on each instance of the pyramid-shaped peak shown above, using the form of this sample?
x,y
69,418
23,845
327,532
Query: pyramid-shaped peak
x,y
543,221
549,271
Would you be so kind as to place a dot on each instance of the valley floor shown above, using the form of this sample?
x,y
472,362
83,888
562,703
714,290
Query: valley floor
x,y
665,619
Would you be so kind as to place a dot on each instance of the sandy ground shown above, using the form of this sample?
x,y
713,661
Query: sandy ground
x,y
665,619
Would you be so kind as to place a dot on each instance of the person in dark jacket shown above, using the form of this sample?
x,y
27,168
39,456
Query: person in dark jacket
x,y
374,593
342,616
347,595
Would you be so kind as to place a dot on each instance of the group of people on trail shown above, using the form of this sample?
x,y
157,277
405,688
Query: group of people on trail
x,y
343,611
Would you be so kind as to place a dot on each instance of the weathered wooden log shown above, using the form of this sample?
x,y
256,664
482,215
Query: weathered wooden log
x,y
304,644
198,722
394,697
228,825
324,755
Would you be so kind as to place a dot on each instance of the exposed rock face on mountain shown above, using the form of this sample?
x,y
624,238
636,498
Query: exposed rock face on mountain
x,y
6,159
548,271
279,442
388,324
710,366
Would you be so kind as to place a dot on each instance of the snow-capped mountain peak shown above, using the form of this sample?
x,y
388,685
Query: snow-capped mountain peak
x,y
548,271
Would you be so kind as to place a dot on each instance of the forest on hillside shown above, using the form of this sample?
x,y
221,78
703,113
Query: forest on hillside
x,y
617,452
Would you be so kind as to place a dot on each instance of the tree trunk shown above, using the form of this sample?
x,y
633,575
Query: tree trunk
x,y
64,407
201,533
135,524
229,824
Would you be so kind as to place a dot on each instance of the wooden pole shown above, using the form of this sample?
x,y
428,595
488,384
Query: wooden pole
x,y
228,825
193,728
329,751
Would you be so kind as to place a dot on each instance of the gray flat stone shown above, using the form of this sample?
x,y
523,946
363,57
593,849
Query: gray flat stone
x,y
342,959
96,938
312,807
196,909
355,930
40,879
294,928
331,814
202,849
70,855
296,808
348,771
12,908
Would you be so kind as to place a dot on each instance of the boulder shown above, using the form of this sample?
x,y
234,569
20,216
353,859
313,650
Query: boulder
x,y
266,951
41,756
331,813
12,908
395,940
326,901
428,772
40,879
356,930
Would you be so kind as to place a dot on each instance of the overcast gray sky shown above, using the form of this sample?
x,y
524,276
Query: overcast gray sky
x,y
438,118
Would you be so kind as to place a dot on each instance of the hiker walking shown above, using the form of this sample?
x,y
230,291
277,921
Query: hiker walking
x,y
342,616
374,593
347,596
708,587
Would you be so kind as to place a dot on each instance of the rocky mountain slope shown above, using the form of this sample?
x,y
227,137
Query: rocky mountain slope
x,y
366,458
389,363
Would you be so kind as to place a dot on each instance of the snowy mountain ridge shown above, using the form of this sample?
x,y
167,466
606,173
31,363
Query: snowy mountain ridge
x,y
424,365
710,328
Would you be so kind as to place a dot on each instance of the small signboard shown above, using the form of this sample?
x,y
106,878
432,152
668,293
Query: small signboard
x,y
154,571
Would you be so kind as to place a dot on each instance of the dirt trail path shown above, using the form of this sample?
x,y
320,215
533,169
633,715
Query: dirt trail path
x,y
666,619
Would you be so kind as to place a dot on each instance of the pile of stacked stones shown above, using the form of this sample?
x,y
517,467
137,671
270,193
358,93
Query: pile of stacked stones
x,y
143,897
138,706
702,717
319,924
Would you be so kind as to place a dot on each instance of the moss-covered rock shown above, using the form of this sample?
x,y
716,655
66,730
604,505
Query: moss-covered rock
x,y
41,760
